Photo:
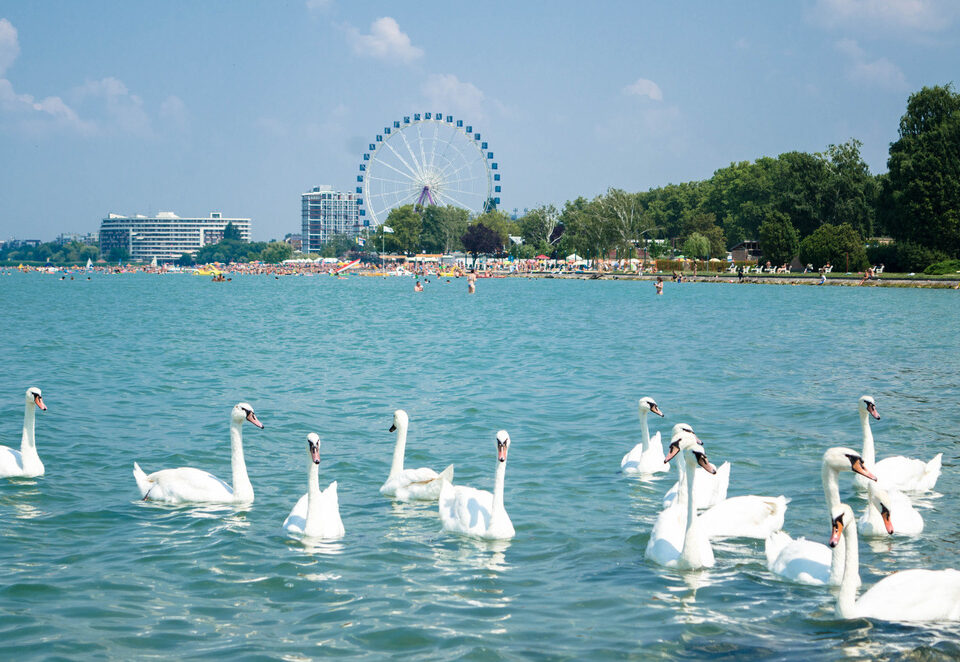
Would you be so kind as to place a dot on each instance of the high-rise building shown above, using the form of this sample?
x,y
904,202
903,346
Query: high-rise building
x,y
324,213
166,236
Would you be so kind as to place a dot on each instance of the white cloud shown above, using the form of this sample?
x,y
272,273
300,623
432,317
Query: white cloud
x,y
37,115
644,88
124,110
449,92
9,47
385,42
880,72
918,15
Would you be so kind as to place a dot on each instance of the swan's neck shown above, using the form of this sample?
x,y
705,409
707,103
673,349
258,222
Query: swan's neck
x,y
690,550
498,506
683,492
398,451
645,431
28,443
847,597
869,453
831,487
313,492
242,489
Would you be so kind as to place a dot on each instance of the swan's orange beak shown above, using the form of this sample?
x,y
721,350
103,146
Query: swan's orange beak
x,y
857,465
872,410
885,515
674,449
314,454
253,419
656,410
705,463
837,531
39,402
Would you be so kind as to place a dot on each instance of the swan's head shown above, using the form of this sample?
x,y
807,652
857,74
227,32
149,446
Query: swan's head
x,y
33,395
693,448
841,517
846,459
313,444
400,420
649,404
683,428
243,410
878,496
868,406
503,444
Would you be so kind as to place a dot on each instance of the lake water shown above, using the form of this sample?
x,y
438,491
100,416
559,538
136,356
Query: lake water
x,y
147,368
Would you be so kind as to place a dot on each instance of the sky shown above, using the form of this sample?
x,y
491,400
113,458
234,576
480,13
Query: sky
x,y
135,107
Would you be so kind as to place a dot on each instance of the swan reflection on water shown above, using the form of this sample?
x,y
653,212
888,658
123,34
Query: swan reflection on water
x,y
319,546
472,553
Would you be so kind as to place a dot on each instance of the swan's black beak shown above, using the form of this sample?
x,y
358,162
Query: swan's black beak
x,y
393,428
39,402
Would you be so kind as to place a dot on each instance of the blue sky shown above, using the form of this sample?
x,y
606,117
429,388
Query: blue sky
x,y
138,107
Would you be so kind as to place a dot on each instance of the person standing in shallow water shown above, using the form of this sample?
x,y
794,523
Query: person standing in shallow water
x,y
659,284
472,281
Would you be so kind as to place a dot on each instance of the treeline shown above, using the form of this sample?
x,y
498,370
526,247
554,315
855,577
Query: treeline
x,y
821,207
233,249
72,252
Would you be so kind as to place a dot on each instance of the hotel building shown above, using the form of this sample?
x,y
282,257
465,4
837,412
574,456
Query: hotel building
x,y
324,213
166,236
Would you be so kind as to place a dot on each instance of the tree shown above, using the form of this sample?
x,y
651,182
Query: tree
x,y
924,172
338,246
696,246
442,228
778,238
836,245
406,225
276,252
231,231
118,254
539,225
479,239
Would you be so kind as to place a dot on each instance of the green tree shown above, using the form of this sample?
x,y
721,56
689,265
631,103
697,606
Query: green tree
x,y
836,245
481,240
119,253
538,227
407,225
778,238
442,228
696,246
231,231
276,252
923,184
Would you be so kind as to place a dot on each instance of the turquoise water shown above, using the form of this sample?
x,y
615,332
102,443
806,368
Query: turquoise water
x,y
147,368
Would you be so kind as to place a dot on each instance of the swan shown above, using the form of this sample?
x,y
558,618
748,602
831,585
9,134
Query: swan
x,y
889,512
908,595
708,489
316,514
24,463
747,516
677,540
647,456
805,561
478,513
189,485
411,484
897,472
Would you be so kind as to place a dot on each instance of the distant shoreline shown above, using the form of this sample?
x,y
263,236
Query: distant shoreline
x,y
764,279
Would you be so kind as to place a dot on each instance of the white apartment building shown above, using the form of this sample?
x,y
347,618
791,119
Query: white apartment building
x,y
165,236
324,213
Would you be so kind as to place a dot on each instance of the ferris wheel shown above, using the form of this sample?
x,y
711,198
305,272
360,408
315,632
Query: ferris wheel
x,y
427,159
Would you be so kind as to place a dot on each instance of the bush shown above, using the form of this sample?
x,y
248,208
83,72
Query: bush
x,y
943,267
914,257
885,254
834,244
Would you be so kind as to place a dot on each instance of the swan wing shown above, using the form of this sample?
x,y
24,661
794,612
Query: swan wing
x,y
187,485
297,519
800,560
11,463
631,461
326,523
711,489
465,510
666,537
913,595
744,517
908,474
415,484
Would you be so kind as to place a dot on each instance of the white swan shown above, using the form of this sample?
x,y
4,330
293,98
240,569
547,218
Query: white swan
x,y
676,539
647,456
897,472
316,514
805,561
908,595
747,516
189,485
411,484
25,462
708,489
478,513
889,512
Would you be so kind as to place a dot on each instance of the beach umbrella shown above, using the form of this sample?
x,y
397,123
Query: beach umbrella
x,y
542,257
